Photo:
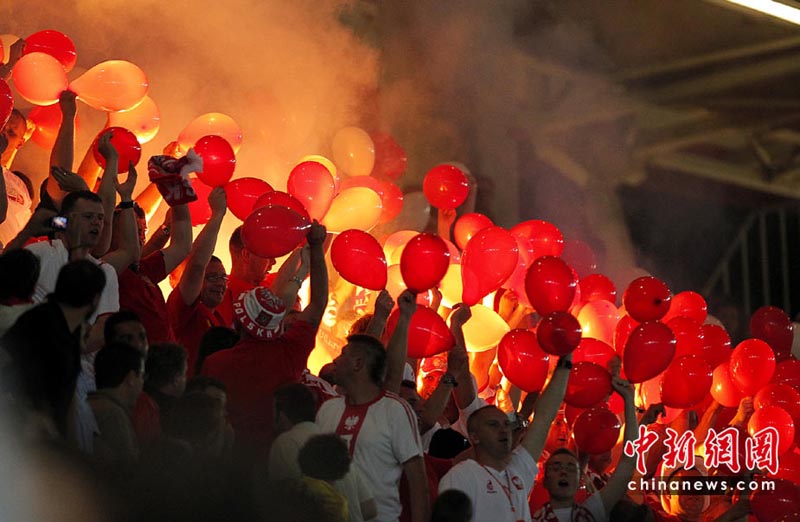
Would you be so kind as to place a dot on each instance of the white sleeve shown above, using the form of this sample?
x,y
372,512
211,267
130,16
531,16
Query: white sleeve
x,y
406,443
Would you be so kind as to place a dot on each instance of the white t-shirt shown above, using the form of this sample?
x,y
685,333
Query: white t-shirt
x,y
19,207
53,255
382,436
593,504
496,495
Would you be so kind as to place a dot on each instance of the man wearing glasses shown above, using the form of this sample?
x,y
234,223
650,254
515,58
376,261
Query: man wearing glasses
x,y
192,306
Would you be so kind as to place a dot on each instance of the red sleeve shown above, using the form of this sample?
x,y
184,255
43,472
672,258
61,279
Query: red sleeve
x,y
154,267
299,339
179,312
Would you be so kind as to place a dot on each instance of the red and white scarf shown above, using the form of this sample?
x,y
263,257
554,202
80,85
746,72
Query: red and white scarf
x,y
547,514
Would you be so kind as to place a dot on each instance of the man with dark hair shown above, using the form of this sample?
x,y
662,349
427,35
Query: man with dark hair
x,y
271,352
562,473
501,476
19,270
166,375
379,428
45,342
248,271
192,305
119,372
126,327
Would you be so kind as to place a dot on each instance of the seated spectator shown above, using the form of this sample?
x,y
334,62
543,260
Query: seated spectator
x,y
119,372
166,375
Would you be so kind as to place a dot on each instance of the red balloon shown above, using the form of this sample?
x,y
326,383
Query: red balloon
x,y
243,193
688,336
588,384
723,389
752,365
6,102
522,360
199,210
391,199
359,258
597,287
773,326
424,262
488,260
274,231
445,187
579,256
127,146
625,326
686,382
219,160
390,158
558,333
468,225
773,505
550,285
688,304
780,395
716,344
596,430
773,417
313,185
428,334
790,466
517,280
57,45
647,299
282,199
593,350
47,121
788,372
648,352
545,238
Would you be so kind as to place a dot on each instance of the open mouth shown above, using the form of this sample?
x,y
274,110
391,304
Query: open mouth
x,y
563,483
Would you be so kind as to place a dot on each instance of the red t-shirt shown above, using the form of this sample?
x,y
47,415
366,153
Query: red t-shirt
x,y
146,419
252,370
139,293
190,323
236,287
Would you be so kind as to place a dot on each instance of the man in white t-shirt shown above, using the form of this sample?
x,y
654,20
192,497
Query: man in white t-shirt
x,y
562,476
18,198
379,427
500,478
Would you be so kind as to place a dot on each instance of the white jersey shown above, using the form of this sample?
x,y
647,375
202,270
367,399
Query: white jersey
x,y
53,255
496,495
19,207
382,435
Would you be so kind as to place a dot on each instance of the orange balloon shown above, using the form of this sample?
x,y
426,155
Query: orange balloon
x,y
394,244
143,121
211,124
40,78
353,151
484,330
113,85
599,320
358,207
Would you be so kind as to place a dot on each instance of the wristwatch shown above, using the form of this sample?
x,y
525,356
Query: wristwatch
x,y
165,230
448,379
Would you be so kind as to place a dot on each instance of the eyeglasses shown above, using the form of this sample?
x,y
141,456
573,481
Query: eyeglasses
x,y
214,278
557,467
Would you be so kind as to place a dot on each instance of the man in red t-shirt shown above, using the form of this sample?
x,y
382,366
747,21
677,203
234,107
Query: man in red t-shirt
x,y
192,304
138,290
247,272
273,351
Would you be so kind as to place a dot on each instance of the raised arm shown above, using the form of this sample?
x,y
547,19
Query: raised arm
x,y
617,484
397,348
107,191
63,151
418,489
128,250
547,407
291,274
180,237
457,359
15,53
191,282
319,276
383,307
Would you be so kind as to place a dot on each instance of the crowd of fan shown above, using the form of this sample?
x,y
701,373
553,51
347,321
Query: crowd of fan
x,y
200,406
